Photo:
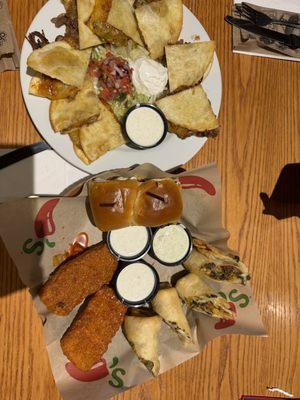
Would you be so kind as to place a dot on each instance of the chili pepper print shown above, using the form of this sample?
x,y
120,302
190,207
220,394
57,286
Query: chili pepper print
x,y
44,223
225,323
99,371
222,324
43,226
197,182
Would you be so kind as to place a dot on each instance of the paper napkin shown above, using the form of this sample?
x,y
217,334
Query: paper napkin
x,y
9,50
252,45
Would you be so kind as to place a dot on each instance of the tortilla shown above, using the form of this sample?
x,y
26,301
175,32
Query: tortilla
x,y
121,16
103,135
74,136
60,61
67,115
191,111
142,335
160,24
168,306
100,11
43,86
86,37
200,297
187,63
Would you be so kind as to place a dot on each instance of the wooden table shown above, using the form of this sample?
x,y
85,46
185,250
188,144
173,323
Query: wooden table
x,y
259,135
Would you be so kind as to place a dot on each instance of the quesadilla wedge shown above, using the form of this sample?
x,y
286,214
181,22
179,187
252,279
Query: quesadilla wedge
x,y
121,16
160,23
74,136
99,25
187,63
86,37
207,260
189,113
101,136
142,335
60,61
167,304
53,89
201,298
69,114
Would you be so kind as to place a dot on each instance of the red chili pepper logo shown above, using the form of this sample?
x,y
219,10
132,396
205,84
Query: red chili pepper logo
x,y
44,224
99,371
225,323
196,182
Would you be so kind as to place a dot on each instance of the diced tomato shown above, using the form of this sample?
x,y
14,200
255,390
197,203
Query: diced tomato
x,y
114,76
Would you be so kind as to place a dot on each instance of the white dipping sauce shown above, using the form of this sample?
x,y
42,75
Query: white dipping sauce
x,y
171,243
144,126
135,282
130,241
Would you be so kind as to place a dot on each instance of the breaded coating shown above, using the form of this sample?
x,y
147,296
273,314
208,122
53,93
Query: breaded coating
x,y
77,278
89,335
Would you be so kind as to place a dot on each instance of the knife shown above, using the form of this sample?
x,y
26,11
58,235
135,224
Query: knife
x,y
292,41
23,152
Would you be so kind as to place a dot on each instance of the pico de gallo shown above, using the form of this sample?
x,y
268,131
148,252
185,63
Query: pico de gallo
x,y
114,76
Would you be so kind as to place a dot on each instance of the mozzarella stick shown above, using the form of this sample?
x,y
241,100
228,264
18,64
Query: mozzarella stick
x,y
89,335
78,278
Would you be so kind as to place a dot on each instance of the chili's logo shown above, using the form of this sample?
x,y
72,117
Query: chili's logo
x,y
99,371
234,297
2,38
44,226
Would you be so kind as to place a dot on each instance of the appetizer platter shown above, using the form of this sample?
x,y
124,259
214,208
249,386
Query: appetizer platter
x,y
136,217
139,281
104,88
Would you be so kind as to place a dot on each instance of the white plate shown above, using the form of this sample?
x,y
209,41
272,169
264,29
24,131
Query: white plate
x,y
172,152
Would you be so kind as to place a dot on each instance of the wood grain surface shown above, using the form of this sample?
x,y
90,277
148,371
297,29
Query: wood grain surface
x,y
259,135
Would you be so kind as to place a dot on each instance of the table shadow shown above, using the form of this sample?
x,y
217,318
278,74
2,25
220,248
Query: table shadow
x,y
284,201
16,182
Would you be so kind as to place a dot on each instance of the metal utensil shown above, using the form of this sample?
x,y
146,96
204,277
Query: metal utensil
x,y
292,41
261,19
22,153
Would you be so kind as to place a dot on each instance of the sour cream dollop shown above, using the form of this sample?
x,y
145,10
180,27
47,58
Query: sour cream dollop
x,y
149,77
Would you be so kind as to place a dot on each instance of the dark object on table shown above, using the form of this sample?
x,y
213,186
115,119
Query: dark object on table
x,y
285,199
23,152
292,41
262,19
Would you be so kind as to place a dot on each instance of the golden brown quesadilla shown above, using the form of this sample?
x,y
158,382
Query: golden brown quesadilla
x,y
67,115
101,136
189,113
86,37
60,61
53,89
121,16
160,23
187,63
